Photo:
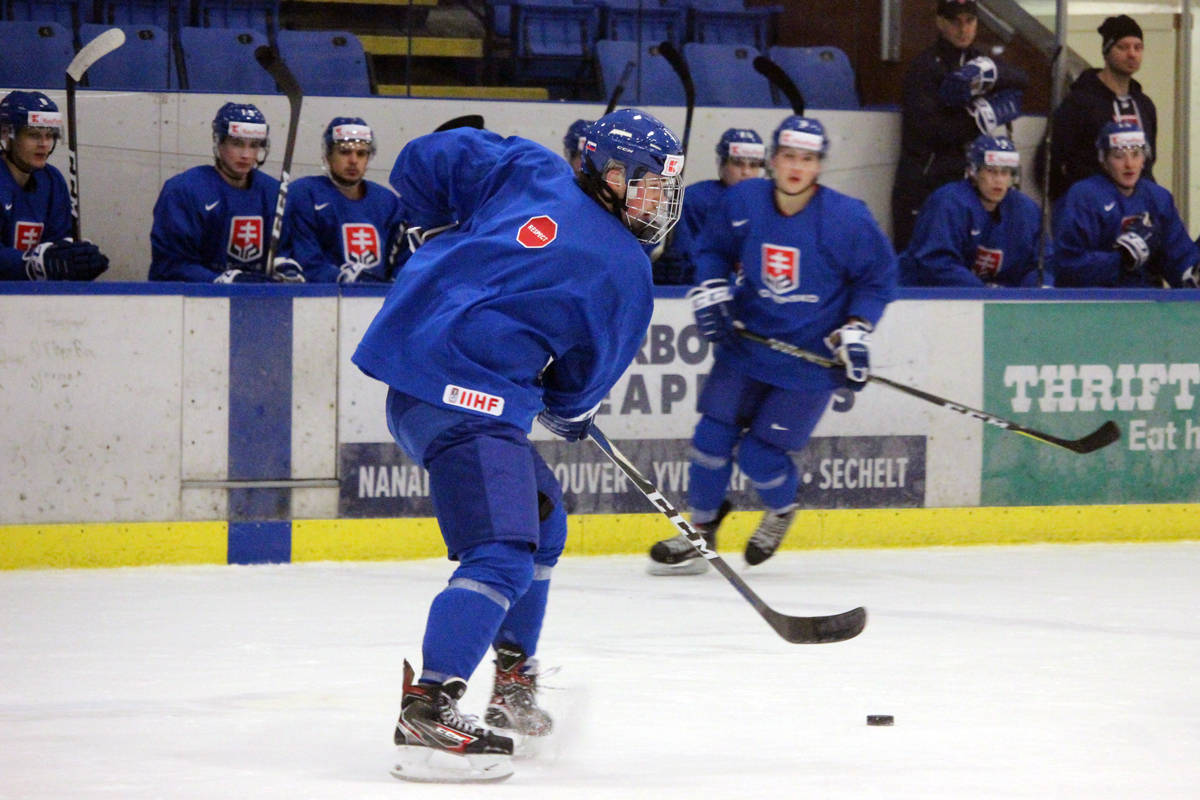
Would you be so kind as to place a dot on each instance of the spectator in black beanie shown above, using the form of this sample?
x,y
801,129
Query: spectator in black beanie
x,y
1099,96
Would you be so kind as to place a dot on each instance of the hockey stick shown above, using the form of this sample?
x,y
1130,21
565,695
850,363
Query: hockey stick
x,y
780,80
1103,436
798,630
675,59
95,50
268,58
615,97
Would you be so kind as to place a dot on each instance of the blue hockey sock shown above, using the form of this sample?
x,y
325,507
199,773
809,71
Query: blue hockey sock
x,y
772,472
522,625
710,467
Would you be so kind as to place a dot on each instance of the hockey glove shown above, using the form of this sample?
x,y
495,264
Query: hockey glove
x,y
417,236
357,272
1136,244
1191,277
64,260
572,429
1001,109
287,270
711,304
234,275
851,345
972,79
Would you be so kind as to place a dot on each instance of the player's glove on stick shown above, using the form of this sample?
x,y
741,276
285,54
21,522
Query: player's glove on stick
x,y
992,112
288,270
357,272
972,79
235,275
711,304
851,345
1136,244
64,260
570,428
1191,277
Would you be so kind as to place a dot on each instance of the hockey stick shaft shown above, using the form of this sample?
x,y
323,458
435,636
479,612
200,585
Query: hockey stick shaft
x,y
675,59
1103,436
615,97
780,80
268,58
798,630
88,55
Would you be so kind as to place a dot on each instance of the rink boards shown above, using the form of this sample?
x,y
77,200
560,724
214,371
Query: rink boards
x,y
147,424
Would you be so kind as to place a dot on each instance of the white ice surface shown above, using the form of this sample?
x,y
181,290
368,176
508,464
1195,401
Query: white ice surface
x,y
1022,672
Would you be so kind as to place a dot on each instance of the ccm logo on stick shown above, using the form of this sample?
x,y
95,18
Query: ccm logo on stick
x,y
473,400
537,232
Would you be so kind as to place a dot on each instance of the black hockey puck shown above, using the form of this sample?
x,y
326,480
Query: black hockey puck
x,y
880,719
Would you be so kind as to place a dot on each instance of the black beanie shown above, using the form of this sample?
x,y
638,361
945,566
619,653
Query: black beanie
x,y
1115,29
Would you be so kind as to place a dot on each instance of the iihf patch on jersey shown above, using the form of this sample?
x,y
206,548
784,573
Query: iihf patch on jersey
x,y
537,232
245,238
780,268
473,400
360,243
27,235
988,262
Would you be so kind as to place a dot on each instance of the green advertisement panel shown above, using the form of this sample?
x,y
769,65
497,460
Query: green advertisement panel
x,y
1065,368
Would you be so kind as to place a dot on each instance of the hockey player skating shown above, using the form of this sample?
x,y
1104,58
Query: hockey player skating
x,y
341,227
35,204
980,231
811,268
740,155
212,223
532,305
1121,229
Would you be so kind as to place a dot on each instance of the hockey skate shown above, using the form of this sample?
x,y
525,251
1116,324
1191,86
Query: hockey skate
x,y
768,535
436,743
677,556
513,708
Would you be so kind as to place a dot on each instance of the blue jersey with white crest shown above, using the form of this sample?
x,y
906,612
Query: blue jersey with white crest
x,y
538,297
32,214
203,226
323,229
798,277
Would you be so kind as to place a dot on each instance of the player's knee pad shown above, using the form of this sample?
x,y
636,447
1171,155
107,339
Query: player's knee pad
x,y
765,464
713,442
501,571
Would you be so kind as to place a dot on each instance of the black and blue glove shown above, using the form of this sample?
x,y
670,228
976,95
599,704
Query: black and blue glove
x,y
64,260
712,304
851,345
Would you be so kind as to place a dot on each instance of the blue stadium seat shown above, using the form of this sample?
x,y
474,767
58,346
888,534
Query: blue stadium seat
x,y
655,84
328,63
34,55
724,75
258,15
68,13
554,40
823,75
222,60
141,12
143,63
730,22
659,20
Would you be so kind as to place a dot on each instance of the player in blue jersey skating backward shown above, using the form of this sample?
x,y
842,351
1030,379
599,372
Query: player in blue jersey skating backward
x,y
35,204
341,227
530,302
808,266
980,231
212,223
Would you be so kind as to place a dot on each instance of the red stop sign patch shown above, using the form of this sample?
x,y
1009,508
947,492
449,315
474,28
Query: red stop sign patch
x,y
537,232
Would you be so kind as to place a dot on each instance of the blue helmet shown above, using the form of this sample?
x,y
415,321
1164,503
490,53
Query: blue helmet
x,y
802,133
741,143
21,109
244,121
992,151
348,129
574,137
1121,136
641,145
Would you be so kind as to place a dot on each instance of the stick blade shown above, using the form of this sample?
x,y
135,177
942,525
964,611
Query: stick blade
x,y
269,59
820,630
1103,436
95,50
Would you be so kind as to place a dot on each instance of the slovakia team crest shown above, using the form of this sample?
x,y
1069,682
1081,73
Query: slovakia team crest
x,y
27,235
538,232
988,262
780,268
245,238
360,243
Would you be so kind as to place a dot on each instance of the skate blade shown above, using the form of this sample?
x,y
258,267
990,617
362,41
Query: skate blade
x,y
693,566
427,765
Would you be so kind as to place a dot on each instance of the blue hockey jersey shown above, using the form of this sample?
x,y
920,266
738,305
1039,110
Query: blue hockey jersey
x,y
957,242
323,229
797,278
1094,212
675,266
203,226
538,298
38,212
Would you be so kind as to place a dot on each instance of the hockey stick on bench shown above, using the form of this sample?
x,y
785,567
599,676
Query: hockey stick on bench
x,y
798,630
268,58
88,55
1103,436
